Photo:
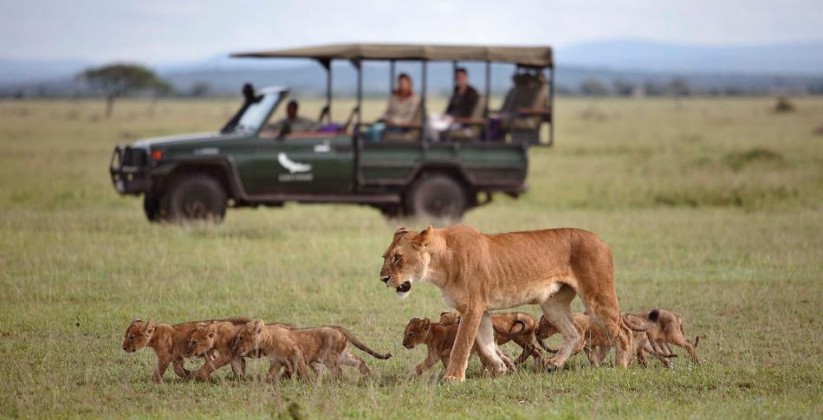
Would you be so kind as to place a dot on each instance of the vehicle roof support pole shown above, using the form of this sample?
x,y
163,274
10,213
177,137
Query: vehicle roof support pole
x,y
424,65
391,76
488,98
326,63
550,105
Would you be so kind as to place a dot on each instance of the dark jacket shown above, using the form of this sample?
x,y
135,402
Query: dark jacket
x,y
462,106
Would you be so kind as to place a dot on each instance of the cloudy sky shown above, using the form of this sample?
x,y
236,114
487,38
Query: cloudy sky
x,y
165,31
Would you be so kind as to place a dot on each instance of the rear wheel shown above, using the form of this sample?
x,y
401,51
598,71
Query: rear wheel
x,y
437,196
195,197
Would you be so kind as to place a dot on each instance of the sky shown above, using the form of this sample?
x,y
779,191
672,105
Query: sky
x,y
170,31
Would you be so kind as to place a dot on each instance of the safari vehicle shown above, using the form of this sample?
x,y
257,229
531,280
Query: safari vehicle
x,y
198,176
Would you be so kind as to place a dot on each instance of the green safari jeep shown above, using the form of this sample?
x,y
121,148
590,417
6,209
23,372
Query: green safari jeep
x,y
248,164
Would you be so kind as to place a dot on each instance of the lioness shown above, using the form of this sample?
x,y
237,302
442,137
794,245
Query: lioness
x,y
518,327
477,273
168,342
668,328
297,349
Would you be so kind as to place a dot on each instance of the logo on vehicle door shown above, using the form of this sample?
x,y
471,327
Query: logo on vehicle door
x,y
297,170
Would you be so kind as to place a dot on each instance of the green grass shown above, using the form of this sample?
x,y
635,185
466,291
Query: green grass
x,y
712,208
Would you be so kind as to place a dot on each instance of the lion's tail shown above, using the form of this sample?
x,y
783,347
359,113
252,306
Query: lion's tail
x,y
633,325
521,323
362,346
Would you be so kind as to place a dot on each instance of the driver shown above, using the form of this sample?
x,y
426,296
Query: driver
x,y
294,123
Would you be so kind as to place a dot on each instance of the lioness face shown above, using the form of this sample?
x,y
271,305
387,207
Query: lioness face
x,y
405,261
201,341
248,339
415,332
138,335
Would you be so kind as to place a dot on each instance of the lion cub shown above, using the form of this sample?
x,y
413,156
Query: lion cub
x,y
297,349
668,329
518,327
439,339
219,336
168,342
596,344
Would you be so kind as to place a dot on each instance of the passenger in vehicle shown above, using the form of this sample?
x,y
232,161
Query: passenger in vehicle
x,y
461,105
402,111
403,103
293,123
464,98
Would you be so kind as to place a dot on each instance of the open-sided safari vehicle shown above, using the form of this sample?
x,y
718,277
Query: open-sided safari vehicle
x,y
405,173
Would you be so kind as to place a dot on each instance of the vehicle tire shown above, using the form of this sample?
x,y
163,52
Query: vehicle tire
x,y
151,207
195,197
438,197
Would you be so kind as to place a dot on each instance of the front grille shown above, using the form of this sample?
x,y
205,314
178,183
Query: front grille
x,y
135,157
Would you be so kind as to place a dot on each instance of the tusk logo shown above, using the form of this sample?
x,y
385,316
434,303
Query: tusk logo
x,y
292,166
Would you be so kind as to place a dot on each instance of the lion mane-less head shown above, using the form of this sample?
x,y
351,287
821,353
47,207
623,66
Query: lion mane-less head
x,y
416,332
248,339
138,335
202,339
406,260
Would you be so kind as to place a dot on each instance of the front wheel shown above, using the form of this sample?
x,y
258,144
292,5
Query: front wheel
x,y
437,197
151,207
195,197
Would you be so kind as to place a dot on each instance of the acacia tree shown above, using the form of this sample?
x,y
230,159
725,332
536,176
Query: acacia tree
x,y
116,80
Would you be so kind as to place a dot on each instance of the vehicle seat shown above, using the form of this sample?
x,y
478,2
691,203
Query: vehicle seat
x,y
473,128
409,132
524,107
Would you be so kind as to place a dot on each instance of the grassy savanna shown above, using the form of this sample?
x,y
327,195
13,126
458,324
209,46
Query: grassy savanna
x,y
712,208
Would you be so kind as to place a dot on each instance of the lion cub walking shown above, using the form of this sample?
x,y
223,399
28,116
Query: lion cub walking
x,y
298,349
518,327
168,342
439,339
668,329
596,344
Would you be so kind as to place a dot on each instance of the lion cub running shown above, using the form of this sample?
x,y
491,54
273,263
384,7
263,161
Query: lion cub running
x,y
168,342
298,349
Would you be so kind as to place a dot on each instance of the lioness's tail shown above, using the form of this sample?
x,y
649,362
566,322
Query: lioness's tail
x,y
360,345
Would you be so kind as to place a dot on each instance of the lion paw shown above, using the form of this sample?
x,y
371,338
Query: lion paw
x,y
450,379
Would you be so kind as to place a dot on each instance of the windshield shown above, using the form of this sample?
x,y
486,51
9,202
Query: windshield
x,y
256,114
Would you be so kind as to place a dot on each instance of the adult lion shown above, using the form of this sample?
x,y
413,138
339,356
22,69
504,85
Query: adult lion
x,y
477,273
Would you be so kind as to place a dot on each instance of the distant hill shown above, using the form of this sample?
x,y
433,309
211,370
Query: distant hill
x,y
651,66
801,58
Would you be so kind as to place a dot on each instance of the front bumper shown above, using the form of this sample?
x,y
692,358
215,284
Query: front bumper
x,y
129,170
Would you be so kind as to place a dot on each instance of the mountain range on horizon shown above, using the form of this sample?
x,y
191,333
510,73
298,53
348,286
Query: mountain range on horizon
x,y
627,59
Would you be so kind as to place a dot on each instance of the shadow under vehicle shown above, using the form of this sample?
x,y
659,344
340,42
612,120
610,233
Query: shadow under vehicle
x,y
405,173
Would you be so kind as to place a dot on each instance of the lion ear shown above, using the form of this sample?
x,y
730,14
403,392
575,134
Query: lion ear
x,y
212,328
258,326
148,327
400,232
135,320
426,322
425,237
